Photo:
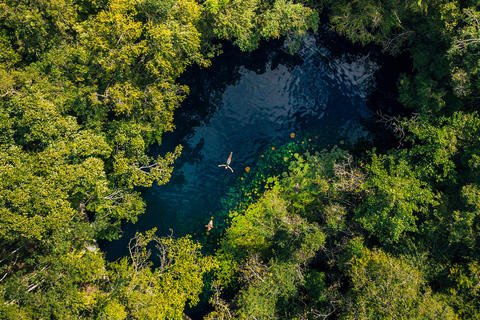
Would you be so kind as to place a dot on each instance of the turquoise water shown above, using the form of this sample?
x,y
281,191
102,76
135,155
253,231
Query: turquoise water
x,y
245,104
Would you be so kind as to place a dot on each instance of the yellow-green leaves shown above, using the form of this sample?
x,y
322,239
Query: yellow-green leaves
x,y
39,192
246,22
160,293
385,287
125,98
36,27
213,6
135,51
114,37
49,165
286,17
266,249
236,20
143,171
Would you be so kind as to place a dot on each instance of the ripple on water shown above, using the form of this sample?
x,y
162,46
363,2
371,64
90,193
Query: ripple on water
x,y
251,115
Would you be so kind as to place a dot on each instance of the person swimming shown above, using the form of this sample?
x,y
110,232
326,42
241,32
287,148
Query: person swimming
x,y
229,160
209,226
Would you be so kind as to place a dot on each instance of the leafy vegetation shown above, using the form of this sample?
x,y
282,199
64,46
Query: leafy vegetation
x,y
87,86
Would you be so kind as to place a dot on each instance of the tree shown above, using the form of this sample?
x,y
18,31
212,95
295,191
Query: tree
x,y
384,287
246,22
160,293
462,53
388,23
396,196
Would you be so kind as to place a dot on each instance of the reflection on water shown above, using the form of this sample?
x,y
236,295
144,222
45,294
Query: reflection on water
x,y
234,107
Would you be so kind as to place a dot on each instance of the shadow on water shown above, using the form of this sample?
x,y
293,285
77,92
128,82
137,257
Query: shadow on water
x,y
245,103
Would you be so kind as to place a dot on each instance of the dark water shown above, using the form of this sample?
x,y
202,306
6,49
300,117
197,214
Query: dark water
x,y
245,104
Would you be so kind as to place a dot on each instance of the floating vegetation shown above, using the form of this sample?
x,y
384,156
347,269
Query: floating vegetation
x,y
274,162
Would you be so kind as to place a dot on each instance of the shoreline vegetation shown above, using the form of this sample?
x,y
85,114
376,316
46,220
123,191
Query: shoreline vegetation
x,y
349,233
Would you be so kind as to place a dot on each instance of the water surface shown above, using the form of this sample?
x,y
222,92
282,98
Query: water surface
x,y
245,103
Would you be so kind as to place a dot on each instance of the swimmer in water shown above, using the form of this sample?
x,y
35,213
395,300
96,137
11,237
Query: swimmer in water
x,y
229,160
209,225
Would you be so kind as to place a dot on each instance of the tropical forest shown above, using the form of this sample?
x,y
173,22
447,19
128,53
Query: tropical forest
x,y
239,159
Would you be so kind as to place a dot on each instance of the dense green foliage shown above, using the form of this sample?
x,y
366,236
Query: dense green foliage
x,y
397,232
87,86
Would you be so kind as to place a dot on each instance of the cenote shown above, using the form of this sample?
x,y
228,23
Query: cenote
x,y
252,104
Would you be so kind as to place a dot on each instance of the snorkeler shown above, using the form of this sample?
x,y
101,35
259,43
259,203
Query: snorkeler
x,y
229,160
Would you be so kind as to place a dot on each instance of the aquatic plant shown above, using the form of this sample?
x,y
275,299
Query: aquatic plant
x,y
276,161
